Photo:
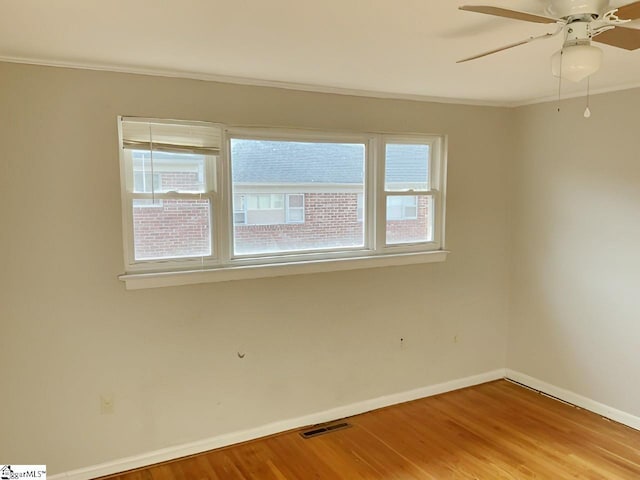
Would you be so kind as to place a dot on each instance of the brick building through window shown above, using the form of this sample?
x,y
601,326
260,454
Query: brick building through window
x,y
286,196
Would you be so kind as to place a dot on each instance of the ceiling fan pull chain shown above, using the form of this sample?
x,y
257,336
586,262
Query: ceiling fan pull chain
x,y
587,111
560,79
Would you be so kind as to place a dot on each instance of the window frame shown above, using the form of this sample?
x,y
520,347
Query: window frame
x,y
274,134
437,184
144,274
128,195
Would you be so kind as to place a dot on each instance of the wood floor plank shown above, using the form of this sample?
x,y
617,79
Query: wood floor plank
x,y
494,431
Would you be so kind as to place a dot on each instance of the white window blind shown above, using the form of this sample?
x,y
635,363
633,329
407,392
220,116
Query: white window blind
x,y
187,137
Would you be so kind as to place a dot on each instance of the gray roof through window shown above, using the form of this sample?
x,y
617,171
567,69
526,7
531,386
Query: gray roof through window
x,y
261,161
274,162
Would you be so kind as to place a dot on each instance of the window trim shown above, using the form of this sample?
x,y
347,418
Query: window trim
x,y
136,281
223,265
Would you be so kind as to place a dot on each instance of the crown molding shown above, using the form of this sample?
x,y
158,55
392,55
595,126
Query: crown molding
x,y
592,92
306,87
210,77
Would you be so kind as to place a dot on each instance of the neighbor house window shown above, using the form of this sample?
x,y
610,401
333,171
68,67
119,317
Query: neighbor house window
x,y
402,208
239,209
237,197
295,208
268,209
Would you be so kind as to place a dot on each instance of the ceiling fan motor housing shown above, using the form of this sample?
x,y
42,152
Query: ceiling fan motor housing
x,y
570,8
578,33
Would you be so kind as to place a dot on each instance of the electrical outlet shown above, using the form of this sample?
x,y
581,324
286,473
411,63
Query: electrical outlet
x,y
107,404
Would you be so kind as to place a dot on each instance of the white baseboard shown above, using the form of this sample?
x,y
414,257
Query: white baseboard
x,y
200,446
575,399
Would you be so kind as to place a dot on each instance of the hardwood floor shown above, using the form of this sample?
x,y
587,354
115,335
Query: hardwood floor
x,y
493,431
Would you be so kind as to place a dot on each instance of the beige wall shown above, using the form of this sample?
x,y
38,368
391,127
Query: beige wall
x,y
575,309
70,331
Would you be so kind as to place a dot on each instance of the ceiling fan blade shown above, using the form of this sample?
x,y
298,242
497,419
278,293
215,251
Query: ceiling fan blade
x,y
506,13
621,37
507,47
629,12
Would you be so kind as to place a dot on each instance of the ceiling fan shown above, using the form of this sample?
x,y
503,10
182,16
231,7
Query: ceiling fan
x,y
580,22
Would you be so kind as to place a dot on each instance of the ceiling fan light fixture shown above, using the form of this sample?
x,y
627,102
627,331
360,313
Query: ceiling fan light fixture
x,y
576,62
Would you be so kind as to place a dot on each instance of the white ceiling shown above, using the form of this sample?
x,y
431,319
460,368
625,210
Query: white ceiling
x,y
392,47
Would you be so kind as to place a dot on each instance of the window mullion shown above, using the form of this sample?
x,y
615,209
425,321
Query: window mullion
x,y
128,216
437,221
435,166
224,203
380,197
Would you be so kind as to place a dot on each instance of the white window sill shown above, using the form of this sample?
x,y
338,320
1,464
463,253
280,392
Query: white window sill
x,y
136,281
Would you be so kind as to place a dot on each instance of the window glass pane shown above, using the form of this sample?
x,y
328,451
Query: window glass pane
x,y
296,201
394,212
410,212
180,172
264,202
409,219
296,215
406,167
142,181
401,207
171,229
325,215
252,202
277,201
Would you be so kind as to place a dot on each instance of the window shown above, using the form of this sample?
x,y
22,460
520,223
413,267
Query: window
x,y
229,198
170,167
409,192
265,201
295,208
316,210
